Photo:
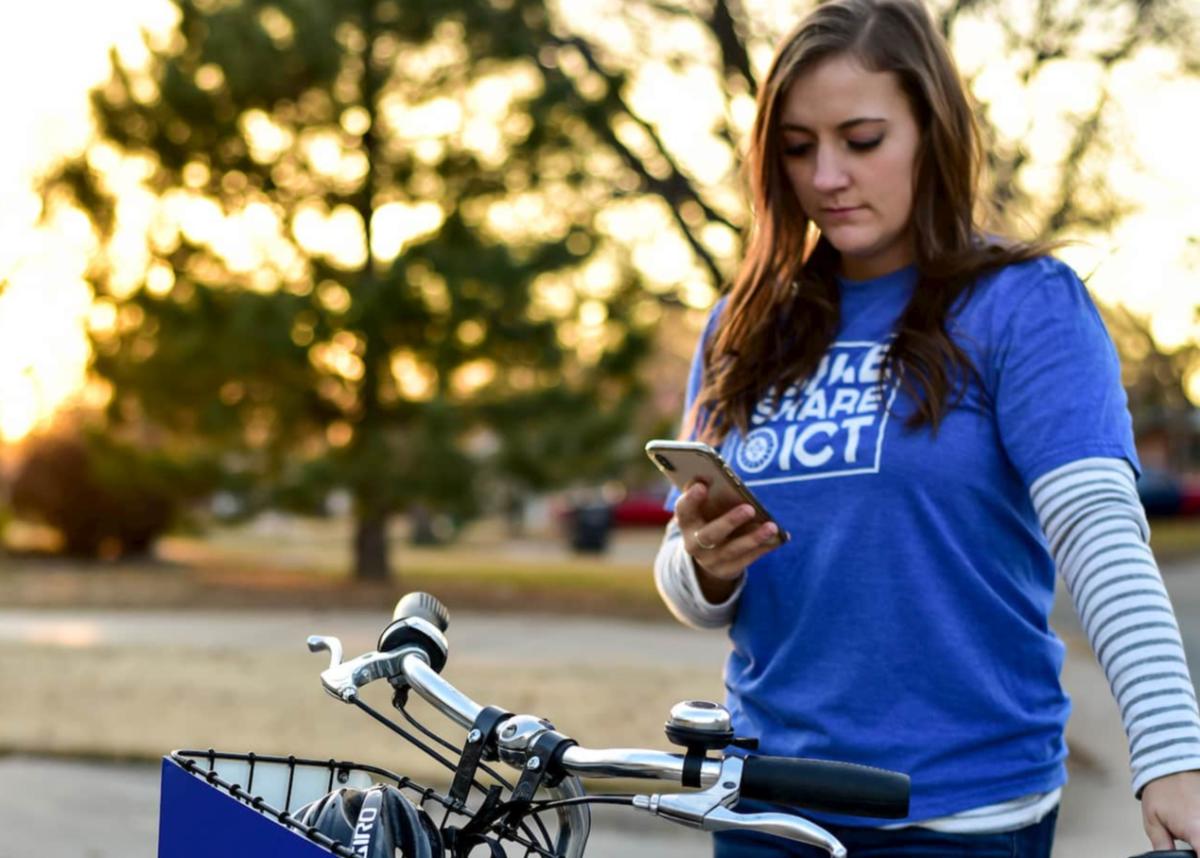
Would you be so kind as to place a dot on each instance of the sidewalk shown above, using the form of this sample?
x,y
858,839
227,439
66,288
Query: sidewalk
x,y
1099,816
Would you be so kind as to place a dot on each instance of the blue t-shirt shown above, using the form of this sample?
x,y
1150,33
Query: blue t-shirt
x,y
905,625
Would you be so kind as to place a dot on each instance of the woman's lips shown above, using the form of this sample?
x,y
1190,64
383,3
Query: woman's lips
x,y
840,213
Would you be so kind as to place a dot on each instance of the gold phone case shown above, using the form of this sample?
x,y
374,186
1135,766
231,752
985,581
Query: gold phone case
x,y
683,462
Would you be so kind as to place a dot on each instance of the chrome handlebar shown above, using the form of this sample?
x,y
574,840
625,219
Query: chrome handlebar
x,y
707,809
585,762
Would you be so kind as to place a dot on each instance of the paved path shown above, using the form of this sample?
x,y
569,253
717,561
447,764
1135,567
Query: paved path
x,y
517,639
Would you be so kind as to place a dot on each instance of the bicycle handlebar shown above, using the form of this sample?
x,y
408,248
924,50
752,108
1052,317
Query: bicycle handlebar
x,y
816,784
416,650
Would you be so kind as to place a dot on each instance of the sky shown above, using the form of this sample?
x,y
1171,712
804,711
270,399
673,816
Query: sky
x,y
1147,265
46,303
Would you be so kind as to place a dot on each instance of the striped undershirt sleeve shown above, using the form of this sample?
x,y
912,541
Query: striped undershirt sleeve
x,y
675,577
1099,538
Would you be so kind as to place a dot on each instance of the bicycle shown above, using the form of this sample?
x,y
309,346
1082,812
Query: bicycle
x,y
220,803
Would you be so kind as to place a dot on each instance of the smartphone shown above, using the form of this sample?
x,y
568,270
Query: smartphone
x,y
683,462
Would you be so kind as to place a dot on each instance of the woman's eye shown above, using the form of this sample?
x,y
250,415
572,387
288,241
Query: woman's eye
x,y
863,145
800,150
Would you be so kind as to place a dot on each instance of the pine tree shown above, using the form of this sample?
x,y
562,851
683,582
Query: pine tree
x,y
332,349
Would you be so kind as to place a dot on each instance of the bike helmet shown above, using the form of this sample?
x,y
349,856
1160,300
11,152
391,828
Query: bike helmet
x,y
378,822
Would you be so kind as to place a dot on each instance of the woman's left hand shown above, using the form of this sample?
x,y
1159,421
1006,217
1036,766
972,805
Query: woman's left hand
x,y
1171,810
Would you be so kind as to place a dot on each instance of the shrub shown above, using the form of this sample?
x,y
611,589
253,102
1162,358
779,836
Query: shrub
x,y
105,498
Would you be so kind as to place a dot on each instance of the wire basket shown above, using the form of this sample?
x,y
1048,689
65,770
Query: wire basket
x,y
219,803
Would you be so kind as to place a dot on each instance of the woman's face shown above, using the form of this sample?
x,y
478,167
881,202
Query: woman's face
x,y
850,146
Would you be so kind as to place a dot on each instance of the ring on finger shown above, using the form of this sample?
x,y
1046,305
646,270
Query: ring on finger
x,y
701,543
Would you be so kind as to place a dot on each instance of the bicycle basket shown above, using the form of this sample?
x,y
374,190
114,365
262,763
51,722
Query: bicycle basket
x,y
216,803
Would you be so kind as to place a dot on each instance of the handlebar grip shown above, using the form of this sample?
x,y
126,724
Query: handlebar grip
x,y
827,786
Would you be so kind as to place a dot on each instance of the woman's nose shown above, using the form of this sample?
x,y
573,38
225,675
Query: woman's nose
x,y
830,175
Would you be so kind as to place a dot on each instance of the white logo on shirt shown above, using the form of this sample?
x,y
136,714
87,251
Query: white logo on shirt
x,y
758,451
831,426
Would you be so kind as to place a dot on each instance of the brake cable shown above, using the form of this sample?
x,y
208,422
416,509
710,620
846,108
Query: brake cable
x,y
415,741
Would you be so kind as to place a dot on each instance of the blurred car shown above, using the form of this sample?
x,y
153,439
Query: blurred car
x,y
643,508
640,507
1166,494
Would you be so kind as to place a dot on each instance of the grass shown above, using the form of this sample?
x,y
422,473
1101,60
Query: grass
x,y
467,565
304,564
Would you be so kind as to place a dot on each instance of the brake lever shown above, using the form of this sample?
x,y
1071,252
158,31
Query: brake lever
x,y
342,679
709,810
780,824
320,643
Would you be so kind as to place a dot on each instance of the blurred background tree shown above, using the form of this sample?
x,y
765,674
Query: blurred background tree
x,y
1167,420
395,243
413,270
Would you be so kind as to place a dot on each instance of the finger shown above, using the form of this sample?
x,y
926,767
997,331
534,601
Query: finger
x,y
720,529
1160,837
732,559
753,545
1186,829
719,533
714,534
688,505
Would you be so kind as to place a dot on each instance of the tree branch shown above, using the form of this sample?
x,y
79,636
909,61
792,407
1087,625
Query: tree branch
x,y
734,56
677,188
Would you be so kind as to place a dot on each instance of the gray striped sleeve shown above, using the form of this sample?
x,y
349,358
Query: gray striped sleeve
x,y
1098,535
675,577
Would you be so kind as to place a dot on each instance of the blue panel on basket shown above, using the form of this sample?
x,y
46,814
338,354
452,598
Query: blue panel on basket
x,y
198,820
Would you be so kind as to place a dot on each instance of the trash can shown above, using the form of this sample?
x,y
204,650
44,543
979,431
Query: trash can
x,y
591,524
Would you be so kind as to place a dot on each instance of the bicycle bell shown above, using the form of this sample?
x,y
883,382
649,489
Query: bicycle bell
x,y
418,621
700,723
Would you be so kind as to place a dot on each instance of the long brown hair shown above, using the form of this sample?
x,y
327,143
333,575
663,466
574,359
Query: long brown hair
x,y
783,311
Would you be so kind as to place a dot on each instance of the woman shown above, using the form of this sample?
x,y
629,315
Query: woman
x,y
936,417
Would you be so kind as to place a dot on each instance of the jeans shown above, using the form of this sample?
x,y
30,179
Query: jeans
x,y
1033,841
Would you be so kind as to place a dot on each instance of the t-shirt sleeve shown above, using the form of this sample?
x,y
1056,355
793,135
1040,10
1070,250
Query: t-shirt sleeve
x,y
694,382
1058,392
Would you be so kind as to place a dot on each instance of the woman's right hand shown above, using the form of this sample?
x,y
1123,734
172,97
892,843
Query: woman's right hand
x,y
715,545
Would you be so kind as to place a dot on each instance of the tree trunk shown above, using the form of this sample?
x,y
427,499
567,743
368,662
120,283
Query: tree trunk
x,y
370,535
371,548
